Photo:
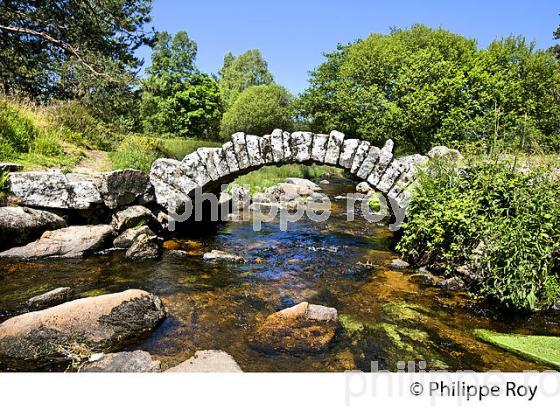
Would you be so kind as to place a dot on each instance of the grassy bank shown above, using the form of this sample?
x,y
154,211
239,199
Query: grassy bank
x,y
61,135
542,349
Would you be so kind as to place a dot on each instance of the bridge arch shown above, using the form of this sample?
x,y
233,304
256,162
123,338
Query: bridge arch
x,y
206,169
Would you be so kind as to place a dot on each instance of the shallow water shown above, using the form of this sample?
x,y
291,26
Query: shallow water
x,y
213,305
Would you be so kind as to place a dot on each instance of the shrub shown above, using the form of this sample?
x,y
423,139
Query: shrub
x,y
258,110
136,152
503,224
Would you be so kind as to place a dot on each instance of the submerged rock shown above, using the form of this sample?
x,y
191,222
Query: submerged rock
x,y
454,283
21,225
127,238
399,264
423,278
76,329
134,217
144,247
70,242
137,361
207,361
300,328
221,255
50,298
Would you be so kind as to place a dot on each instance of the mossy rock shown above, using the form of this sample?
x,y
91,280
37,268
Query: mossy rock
x,y
542,349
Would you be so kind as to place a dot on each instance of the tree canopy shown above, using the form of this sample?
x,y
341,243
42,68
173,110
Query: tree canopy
x,y
178,99
258,110
242,72
55,48
423,87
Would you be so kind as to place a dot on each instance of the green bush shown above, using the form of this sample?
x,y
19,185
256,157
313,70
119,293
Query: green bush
x,y
502,224
258,110
136,152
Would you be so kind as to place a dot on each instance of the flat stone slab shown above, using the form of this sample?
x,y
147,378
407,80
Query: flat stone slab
x,y
70,242
81,191
207,361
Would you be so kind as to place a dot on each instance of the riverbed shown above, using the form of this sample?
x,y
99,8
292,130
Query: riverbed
x,y
387,319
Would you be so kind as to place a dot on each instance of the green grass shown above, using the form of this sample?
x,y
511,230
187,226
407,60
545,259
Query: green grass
x,y
259,180
542,349
178,148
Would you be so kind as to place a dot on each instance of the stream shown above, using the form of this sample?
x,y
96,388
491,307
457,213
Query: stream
x,y
386,317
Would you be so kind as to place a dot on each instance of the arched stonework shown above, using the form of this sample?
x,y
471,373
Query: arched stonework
x,y
208,168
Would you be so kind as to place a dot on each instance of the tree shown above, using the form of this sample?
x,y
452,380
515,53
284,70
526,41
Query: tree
x,y
423,87
177,98
258,110
46,48
242,72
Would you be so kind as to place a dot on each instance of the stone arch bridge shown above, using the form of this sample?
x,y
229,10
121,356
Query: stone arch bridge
x,y
206,169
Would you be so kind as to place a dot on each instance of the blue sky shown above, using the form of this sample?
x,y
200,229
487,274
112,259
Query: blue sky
x,y
292,34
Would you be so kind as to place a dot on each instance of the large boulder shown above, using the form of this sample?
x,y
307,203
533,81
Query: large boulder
x,y
70,242
81,191
21,225
77,329
207,361
300,328
125,187
363,188
137,361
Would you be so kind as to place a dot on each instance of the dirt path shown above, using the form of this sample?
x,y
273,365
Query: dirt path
x,y
93,161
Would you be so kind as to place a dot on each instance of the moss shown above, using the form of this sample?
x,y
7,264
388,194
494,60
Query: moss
x,y
94,292
350,324
374,203
542,349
